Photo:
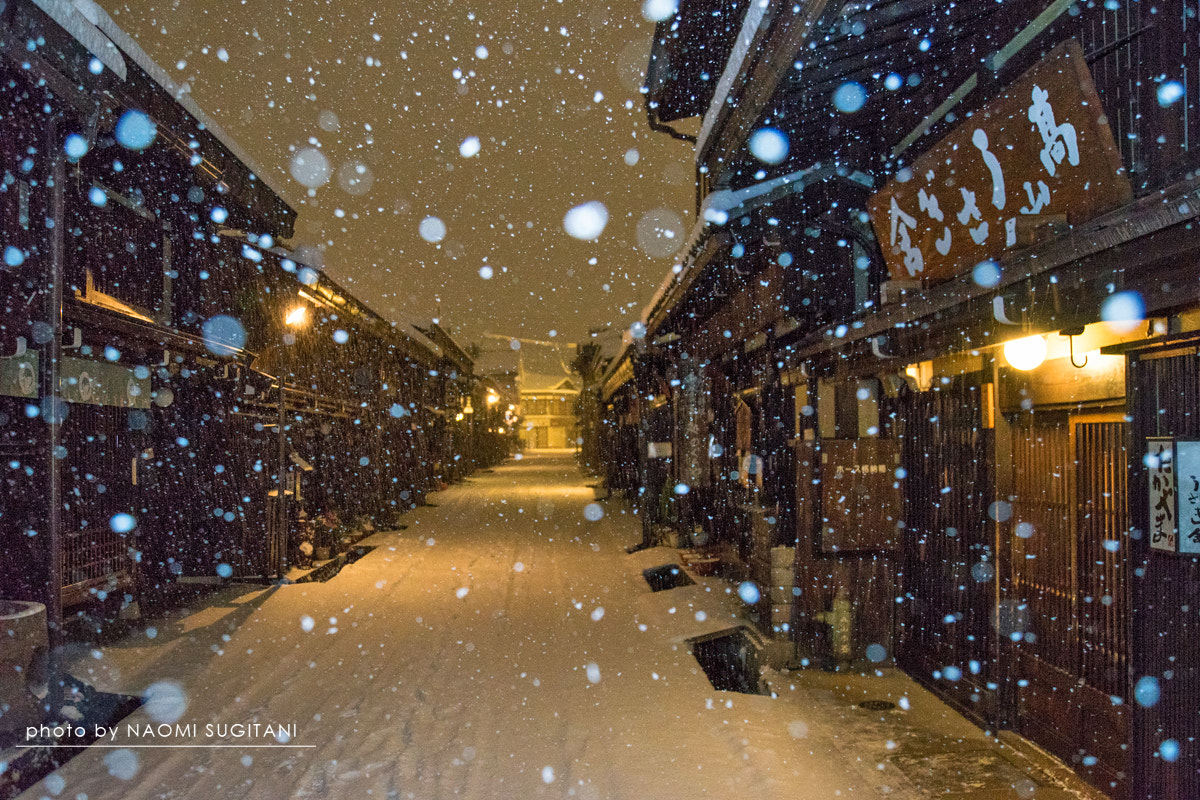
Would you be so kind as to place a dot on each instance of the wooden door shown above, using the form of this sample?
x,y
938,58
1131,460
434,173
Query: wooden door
x,y
1067,559
946,636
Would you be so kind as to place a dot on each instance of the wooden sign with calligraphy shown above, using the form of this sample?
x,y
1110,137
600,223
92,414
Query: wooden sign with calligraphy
x,y
1039,156
1160,466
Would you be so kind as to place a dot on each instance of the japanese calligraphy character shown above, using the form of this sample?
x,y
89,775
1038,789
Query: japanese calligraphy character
x,y
942,245
1165,504
1162,496
1059,140
902,224
1036,203
929,204
1193,501
969,212
980,140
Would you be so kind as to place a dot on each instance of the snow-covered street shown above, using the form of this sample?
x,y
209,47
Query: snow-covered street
x,y
501,646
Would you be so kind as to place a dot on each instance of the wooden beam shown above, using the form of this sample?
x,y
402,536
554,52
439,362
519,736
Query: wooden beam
x,y
737,115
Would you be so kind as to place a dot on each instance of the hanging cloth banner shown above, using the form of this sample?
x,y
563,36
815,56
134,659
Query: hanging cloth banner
x,y
99,383
693,430
19,375
1187,472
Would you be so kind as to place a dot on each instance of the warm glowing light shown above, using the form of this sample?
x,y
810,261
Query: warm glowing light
x,y
921,374
297,316
1027,353
493,398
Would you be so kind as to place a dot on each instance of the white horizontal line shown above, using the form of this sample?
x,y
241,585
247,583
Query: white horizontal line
x,y
201,746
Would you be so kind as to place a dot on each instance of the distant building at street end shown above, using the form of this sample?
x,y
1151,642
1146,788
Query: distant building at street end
x,y
548,411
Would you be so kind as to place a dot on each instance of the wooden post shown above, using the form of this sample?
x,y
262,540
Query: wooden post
x,y
52,410
641,384
1003,665
280,543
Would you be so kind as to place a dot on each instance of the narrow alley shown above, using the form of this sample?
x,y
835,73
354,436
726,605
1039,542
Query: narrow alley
x,y
504,644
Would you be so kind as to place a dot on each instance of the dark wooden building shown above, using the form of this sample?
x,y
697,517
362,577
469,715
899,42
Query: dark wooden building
x,y
179,393
894,199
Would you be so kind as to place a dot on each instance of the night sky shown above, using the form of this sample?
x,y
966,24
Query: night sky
x,y
391,95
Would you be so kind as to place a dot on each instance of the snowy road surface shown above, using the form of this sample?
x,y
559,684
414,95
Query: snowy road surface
x,y
502,646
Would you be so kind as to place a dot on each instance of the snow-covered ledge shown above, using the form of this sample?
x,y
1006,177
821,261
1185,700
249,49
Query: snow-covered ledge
x,y
736,65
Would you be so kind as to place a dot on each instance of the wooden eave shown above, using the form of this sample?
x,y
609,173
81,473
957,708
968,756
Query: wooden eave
x,y
1126,247
451,351
686,47
138,332
618,373
859,43
731,119
707,278
141,84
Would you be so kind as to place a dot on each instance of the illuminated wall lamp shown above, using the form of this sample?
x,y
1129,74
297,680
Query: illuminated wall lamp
x,y
296,316
1026,354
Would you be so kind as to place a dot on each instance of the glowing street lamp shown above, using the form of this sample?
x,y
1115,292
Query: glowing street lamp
x,y
296,316
1026,354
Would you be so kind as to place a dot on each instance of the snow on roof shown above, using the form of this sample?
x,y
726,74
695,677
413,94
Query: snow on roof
x,y
537,382
75,22
412,326
756,14
94,29
715,212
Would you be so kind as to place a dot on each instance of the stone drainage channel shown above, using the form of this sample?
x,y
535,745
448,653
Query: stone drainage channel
x,y
730,658
25,759
950,766
333,566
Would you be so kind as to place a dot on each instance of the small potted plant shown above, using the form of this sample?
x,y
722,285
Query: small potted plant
x,y
325,538
303,551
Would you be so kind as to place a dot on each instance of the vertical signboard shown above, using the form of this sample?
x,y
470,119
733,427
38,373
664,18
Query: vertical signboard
x,y
1160,465
1187,468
